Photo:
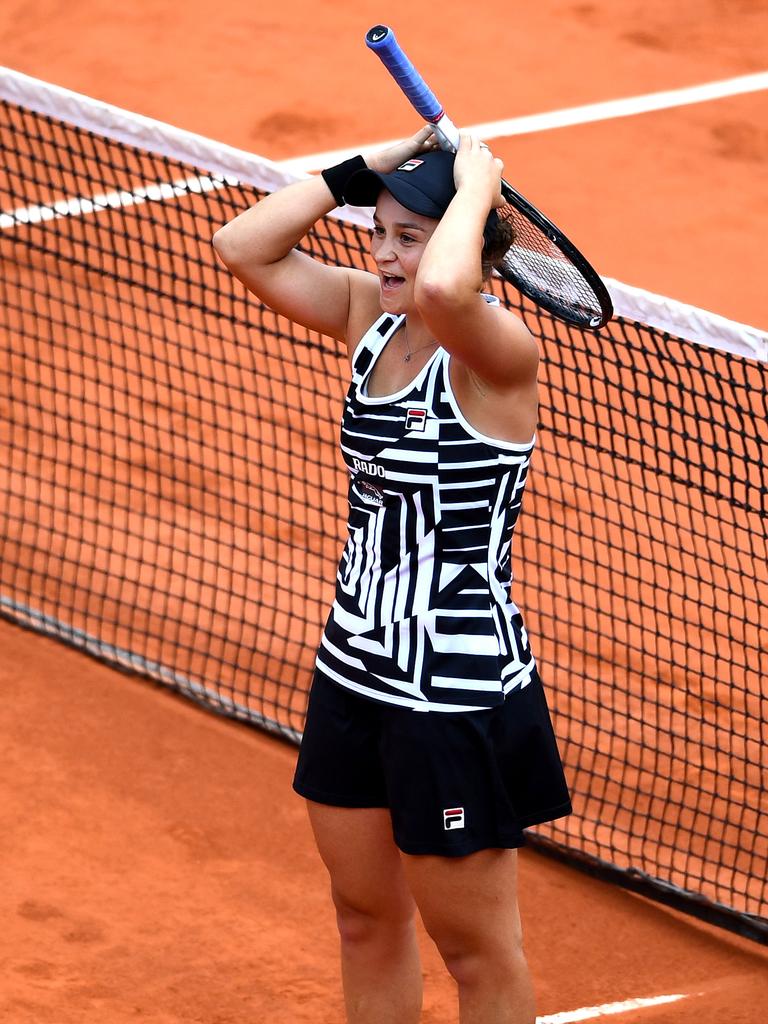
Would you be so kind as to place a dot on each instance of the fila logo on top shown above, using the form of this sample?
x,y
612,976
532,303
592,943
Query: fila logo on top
x,y
453,817
410,165
415,419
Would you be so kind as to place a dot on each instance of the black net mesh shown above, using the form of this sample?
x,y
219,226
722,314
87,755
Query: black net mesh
x,y
172,500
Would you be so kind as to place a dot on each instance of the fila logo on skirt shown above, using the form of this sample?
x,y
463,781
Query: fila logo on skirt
x,y
453,817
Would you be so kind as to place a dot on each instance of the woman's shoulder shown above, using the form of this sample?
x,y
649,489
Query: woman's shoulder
x,y
364,307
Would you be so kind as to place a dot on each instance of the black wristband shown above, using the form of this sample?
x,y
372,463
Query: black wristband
x,y
336,177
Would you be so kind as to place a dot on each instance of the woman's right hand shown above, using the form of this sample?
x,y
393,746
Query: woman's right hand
x,y
389,159
476,165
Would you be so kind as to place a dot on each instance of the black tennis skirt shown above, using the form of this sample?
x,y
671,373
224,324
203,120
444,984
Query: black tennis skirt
x,y
454,782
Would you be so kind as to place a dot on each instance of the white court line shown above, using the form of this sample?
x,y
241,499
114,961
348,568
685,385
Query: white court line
x,y
606,1010
563,118
77,206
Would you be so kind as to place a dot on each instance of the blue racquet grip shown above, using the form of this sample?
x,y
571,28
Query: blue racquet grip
x,y
382,41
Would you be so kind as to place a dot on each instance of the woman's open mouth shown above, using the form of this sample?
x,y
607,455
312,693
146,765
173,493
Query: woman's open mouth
x,y
390,281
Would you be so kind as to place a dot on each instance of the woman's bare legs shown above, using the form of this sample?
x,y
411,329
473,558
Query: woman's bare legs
x,y
469,907
380,965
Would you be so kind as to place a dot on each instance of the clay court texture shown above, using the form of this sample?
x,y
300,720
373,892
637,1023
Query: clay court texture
x,y
156,865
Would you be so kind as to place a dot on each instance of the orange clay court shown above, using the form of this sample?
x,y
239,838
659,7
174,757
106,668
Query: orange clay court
x,y
156,864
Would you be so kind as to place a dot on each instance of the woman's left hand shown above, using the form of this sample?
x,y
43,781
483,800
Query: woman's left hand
x,y
387,160
477,166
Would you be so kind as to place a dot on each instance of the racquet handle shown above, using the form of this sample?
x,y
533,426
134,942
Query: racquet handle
x,y
382,41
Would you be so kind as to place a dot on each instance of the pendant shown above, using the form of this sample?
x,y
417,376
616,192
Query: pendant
x,y
407,357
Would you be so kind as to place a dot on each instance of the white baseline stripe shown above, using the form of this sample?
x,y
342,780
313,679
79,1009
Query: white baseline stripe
x,y
606,1010
78,206
563,118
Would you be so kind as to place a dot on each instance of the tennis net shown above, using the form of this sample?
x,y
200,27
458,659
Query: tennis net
x,y
172,501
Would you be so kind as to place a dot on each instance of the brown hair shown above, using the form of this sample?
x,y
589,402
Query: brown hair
x,y
498,236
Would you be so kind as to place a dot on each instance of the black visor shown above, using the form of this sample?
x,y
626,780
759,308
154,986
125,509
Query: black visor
x,y
423,184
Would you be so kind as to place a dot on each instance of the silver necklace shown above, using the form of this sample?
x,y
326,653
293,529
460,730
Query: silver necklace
x,y
409,353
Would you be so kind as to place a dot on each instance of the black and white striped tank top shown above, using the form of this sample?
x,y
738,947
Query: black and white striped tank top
x,y
423,615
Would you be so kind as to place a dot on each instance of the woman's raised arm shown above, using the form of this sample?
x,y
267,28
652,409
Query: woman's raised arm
x,y
259,247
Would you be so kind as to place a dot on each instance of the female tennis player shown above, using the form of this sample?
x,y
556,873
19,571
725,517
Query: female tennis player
x,y
428,746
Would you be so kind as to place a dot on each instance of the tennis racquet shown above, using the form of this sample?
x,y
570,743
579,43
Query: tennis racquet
x,y
541,262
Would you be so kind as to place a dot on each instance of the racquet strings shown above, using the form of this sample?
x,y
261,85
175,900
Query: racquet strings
x,y
542,270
